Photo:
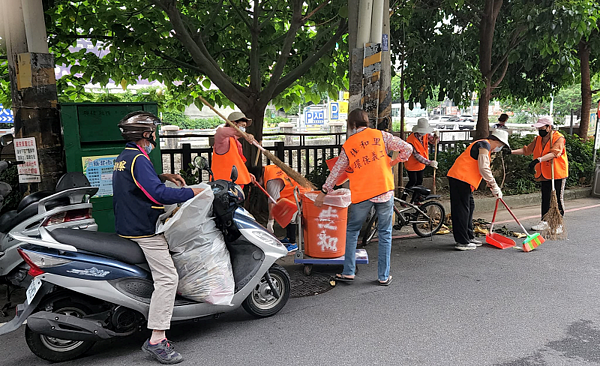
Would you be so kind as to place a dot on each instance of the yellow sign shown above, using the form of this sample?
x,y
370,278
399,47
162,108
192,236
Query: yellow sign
x,y
343,107
346,95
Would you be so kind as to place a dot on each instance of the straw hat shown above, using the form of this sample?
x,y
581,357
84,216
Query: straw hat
x,y
236,116
501,135
422,126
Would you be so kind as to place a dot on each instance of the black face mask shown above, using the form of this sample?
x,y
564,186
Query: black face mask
x,y
543,133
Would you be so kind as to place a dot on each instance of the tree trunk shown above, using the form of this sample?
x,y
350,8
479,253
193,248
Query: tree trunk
x,y
257,115
486,41
483,125
586,90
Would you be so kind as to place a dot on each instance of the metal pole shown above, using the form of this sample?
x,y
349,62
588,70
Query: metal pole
x,y
571,129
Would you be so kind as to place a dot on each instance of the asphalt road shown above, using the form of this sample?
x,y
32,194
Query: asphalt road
x,y
445,307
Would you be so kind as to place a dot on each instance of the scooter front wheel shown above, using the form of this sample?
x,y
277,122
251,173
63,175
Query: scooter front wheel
x,y
262,302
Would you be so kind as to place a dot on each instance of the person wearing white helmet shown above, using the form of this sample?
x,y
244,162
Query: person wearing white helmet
x,y
420,139
549,152
464,177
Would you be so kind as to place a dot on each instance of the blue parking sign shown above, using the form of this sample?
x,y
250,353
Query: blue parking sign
x,y
6,115
314,116
335,111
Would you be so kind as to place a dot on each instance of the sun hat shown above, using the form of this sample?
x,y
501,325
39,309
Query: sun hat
x,y
422,126
543,121
501,135
236,116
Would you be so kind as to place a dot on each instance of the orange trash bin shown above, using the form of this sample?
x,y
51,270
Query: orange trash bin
x,y
324,229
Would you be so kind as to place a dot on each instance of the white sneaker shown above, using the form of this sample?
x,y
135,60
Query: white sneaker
x,y
469,246
559,230
543,225
476,242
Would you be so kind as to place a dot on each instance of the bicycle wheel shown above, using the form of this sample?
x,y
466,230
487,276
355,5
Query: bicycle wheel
x,y
370,230
430,224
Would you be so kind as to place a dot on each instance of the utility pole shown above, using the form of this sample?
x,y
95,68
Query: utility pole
x,y
33,90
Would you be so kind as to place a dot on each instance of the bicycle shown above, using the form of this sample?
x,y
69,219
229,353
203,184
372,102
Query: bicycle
x,y
425,216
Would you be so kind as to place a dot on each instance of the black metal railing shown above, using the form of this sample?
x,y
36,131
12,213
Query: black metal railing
x,y
295,151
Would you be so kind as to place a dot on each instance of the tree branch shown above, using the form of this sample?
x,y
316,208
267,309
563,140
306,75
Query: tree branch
x,y
295,74
213,15
285,52
514,42
495,84
307,17
244,19
255,74
177,62
595,91
216,75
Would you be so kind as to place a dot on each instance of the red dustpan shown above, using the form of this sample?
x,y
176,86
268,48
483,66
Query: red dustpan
x,y
284,209
495,239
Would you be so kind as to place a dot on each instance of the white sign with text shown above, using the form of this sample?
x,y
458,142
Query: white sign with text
x,y
26,151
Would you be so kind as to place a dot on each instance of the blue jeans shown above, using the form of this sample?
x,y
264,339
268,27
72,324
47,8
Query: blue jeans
x,y
357,213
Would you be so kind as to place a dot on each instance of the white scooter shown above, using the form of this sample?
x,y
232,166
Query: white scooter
x,y
91,286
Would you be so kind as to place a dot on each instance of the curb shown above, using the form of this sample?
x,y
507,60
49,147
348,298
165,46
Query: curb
x,y
485,205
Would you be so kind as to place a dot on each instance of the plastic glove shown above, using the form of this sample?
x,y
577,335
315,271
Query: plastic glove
x,y
533,164
496,191
433,164
270,225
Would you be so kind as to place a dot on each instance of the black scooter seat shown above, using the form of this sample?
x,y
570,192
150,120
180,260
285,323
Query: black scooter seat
x,y
107,244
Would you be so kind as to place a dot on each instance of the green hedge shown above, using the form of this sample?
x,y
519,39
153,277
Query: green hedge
x,y
185,122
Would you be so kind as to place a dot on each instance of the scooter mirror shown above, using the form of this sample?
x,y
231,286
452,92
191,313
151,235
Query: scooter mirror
x,y
6,140
200,162
234,174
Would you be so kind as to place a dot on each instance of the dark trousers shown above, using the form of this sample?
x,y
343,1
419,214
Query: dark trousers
x,y
559,185
462,206
415,178
290,232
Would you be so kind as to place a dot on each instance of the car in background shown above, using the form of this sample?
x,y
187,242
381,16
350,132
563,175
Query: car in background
x,y
466,118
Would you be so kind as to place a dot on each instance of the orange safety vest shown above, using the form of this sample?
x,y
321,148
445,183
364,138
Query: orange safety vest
x,y
369,169
274,172
561,163
466,168
222,164
412,164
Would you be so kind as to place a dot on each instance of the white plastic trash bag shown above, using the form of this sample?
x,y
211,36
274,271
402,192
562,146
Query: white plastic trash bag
x,y
338,198
199,251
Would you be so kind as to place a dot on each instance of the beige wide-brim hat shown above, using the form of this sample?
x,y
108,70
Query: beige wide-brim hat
x,y
502,135
236,116
543,121
422,126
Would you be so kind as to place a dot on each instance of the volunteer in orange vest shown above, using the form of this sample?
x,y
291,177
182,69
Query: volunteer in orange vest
x,y
548,148
279,185
227,151
364,157
464,177
420,140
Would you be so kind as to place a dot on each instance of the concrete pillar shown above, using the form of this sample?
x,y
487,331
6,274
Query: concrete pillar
x,y
285,127
170,130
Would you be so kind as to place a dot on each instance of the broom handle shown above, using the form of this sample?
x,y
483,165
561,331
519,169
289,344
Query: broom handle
x,y
231,124
265,192
514,217
494,218
434,170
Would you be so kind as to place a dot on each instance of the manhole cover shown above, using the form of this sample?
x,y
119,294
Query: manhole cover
x,y
302,285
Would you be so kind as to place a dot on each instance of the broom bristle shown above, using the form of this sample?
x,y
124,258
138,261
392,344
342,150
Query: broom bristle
x,y
289,171
554,220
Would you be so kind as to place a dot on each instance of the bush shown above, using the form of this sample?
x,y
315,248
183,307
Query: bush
x,y
581,164
319,174
185,122
517,177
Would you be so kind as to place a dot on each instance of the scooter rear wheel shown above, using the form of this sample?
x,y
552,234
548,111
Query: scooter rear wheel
x,y
55,349
261,303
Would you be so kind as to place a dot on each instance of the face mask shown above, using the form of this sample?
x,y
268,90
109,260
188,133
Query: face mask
x,y
243,129
497,149
543,133
148,148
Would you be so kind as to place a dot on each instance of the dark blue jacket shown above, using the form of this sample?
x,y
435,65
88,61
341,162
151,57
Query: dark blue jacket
x,y
139,195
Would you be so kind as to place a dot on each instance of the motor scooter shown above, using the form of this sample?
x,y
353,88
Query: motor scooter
x,y
92,286
68,206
